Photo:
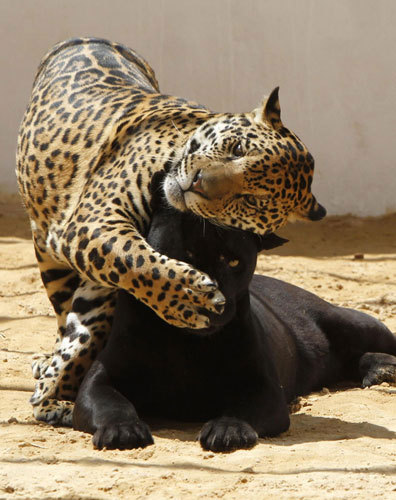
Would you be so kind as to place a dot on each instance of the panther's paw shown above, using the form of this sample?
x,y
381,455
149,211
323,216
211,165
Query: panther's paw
x,y
227,434
123,436
377,367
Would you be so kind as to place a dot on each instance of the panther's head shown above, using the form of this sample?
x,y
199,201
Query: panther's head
x,y
245,170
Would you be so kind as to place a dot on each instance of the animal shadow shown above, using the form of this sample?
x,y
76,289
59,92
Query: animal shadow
x,y
304,428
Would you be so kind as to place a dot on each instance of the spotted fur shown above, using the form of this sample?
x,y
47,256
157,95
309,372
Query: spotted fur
x,y
95,133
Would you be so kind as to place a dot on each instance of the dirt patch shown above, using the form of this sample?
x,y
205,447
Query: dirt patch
x,y
341,443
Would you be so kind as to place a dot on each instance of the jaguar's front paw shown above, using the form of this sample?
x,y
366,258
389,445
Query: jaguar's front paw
x,y
123,436
187,297
227,434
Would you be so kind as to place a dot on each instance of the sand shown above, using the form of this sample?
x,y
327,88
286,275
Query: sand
x,y
341,443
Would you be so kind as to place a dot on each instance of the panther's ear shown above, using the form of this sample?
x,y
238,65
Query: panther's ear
x,y
269,241
269,111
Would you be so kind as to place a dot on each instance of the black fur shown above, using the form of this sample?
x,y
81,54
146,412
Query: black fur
x,y
274,342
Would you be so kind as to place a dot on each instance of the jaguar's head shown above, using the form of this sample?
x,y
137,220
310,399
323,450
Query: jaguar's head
x,y
246,171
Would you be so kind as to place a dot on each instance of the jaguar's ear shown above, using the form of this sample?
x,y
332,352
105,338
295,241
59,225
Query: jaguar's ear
x,y
269,111
269,241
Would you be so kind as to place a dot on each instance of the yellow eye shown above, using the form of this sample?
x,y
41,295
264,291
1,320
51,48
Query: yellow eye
x,y
233,263
237,150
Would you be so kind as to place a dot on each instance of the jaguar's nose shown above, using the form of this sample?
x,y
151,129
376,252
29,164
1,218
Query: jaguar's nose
x,y
196,185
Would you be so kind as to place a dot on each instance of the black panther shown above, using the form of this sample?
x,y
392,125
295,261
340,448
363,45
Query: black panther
x,y
273,342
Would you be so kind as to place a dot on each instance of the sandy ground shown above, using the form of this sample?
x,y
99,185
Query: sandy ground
x,y
341,443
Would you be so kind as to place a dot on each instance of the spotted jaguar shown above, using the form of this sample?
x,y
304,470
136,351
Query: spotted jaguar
x,y
96,132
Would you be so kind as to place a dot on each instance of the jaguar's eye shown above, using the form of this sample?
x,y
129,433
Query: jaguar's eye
x,y
237,150
251,201
194,146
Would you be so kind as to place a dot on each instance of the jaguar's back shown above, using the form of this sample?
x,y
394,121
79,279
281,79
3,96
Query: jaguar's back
x,y
82,91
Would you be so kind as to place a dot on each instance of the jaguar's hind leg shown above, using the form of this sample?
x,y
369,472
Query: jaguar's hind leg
x,y
87,327
60,283
377,367
84,313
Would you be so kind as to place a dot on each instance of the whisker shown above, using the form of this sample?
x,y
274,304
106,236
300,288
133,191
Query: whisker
x,y
173,123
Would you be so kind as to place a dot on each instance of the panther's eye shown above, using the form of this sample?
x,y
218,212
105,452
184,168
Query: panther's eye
x,y
251,201
234,263
194,145
237,150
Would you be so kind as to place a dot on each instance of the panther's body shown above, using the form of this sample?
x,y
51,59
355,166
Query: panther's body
x,y
95,133
274,342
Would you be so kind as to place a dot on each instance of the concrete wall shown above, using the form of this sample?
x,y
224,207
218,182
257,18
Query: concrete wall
x,y
335,61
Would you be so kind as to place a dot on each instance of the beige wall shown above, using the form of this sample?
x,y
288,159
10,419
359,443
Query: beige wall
x,y
335,61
